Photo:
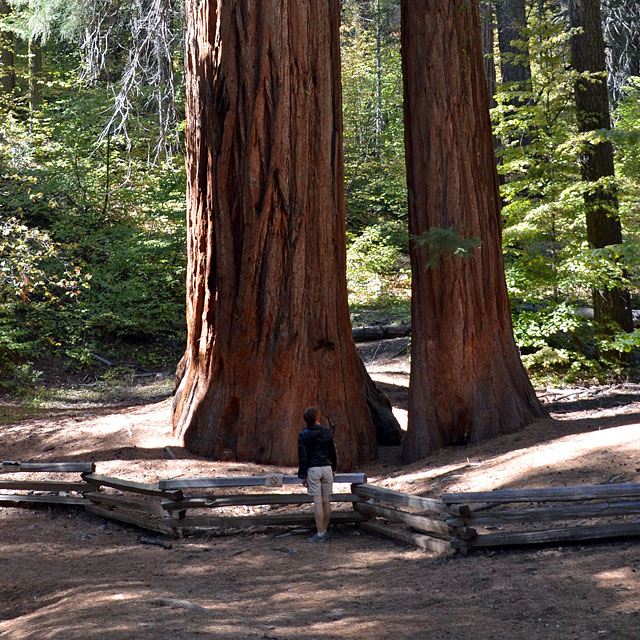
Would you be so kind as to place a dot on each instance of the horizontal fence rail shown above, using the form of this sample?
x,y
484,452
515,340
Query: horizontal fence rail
x,y
552,494
250,481
54,467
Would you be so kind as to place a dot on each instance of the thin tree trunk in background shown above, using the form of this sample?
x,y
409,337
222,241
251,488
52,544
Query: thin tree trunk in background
x,y
487,26
592,107
35,72
267,316
621,31
467,381
378,114
7,64
511,17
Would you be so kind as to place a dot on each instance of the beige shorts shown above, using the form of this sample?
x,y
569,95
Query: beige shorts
x,y
320,481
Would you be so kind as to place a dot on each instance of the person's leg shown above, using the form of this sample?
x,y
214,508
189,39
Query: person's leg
x,y
326,512
319,512
315,491
326,490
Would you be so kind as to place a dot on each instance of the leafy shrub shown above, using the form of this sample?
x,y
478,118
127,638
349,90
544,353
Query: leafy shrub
x,y
377,264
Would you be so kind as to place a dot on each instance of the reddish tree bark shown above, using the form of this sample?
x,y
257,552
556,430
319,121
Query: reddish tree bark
x,y
268,323
467,381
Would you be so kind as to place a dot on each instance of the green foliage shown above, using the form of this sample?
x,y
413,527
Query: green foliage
x,y
552,326
377,265
92,237
443,243
560,346
93,253
35,280
550,268
626,141
375,176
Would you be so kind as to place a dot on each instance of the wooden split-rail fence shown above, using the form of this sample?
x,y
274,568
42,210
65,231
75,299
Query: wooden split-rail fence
x,y
455,522
542,516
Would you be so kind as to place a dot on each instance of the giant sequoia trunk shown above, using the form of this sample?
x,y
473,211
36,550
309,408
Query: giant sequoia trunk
x,y
467,381
268,324
592,110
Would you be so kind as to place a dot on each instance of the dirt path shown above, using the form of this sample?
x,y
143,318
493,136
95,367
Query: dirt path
x,y
71,575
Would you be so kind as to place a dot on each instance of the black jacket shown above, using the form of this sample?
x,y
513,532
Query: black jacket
x,y
316,448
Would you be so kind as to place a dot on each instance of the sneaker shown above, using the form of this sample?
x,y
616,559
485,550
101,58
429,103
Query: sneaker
x,y
317,538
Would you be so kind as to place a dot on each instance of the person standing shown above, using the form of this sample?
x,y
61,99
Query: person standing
x,y
317,464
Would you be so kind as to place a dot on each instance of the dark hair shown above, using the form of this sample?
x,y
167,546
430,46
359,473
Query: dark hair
x,y
310,415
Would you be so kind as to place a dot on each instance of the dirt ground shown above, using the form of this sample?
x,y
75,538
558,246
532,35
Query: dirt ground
x,y
69,575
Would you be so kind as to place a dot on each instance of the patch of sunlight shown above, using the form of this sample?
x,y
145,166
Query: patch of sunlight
x,y
430,474
399,380
625,584
108,425
606,577
402,416
517,465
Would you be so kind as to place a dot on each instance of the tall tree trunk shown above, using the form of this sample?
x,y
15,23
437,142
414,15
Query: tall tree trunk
x,y
467,381
268,323
511,17
378,113
487,25
7,65
621,27
592,107
515,69
35,71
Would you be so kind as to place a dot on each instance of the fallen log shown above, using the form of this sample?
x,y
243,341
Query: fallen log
x,y
381,332
159,542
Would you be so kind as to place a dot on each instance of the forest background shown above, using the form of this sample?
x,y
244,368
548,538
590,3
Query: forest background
x,y
92,182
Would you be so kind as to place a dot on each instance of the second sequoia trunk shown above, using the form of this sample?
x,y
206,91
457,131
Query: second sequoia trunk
x,y
268,323
467,381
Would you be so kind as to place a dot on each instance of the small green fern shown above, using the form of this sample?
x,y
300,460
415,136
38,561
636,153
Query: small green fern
x,y
441,242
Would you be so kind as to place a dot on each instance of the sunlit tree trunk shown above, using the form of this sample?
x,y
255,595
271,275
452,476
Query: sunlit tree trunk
x,y
621,26
268,323
467,381
592,107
